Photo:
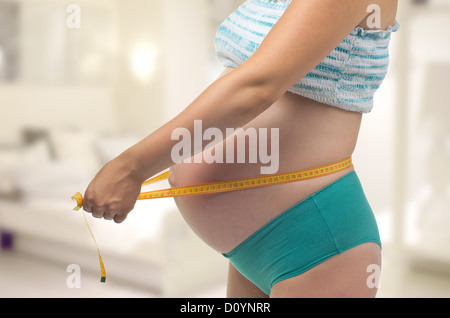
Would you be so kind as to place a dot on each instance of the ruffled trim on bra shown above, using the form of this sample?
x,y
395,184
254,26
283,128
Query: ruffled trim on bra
x,y
363,32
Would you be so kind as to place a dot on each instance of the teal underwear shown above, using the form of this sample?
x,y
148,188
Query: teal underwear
x,y
327,223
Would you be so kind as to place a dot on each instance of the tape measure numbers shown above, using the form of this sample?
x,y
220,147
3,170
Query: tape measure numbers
x,y
224,186
241,184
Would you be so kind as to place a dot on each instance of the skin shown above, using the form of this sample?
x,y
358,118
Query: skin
x,y
311,134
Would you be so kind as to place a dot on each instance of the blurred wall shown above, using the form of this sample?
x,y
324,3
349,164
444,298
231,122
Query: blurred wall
x,y
138,61
64,74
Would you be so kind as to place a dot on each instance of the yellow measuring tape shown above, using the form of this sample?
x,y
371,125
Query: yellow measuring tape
x,y
79,199
241,184
224,186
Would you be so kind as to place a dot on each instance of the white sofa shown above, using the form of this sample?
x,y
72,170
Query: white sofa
x,y
153,248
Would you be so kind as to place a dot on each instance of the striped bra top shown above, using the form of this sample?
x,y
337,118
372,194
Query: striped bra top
x,y
347,78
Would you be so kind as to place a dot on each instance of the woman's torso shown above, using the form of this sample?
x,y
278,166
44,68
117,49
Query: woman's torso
x,y
311,134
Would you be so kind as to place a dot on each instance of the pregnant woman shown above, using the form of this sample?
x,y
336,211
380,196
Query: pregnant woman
x,y
309,68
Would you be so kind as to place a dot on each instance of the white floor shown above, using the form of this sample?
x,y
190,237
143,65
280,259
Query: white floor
x,y
24,276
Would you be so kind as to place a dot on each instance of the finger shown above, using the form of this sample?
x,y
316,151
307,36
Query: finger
x,y
119,217
88,208
87,201
109,215
97,213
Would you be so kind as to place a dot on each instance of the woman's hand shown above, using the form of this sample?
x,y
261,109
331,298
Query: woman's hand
x,y
113,192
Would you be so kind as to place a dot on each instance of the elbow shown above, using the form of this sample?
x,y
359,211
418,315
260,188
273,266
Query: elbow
x,y
263,97
260,93
269,93
253,100
266,94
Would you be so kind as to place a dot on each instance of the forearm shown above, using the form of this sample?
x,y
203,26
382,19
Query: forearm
x,y
230,102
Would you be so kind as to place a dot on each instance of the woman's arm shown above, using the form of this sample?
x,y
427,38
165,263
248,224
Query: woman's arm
x,y
307,32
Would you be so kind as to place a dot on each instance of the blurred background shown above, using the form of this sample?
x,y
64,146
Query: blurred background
x,y
82,81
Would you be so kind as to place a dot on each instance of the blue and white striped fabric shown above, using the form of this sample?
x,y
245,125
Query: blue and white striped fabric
x,y
348,78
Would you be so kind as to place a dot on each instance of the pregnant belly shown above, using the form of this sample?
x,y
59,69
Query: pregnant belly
x,y
310,135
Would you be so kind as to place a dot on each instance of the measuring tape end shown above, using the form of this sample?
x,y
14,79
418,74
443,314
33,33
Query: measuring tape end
x,y
103,279
78,198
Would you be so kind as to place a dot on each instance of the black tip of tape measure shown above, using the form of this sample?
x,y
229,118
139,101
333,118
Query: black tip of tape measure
x,y
103,279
